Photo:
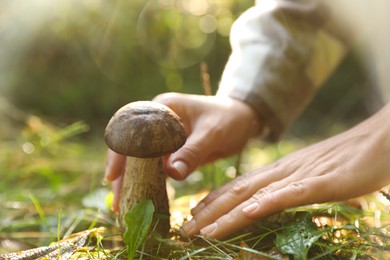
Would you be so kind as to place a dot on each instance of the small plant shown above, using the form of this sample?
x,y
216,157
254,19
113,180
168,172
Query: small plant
x,y
298,236
138,221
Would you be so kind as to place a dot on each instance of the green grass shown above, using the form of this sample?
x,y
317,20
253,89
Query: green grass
x,y
51,186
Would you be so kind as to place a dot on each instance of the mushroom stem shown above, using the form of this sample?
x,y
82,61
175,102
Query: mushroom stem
x,y
145,178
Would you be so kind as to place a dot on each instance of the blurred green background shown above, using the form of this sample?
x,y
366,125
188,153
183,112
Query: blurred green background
x,y
72,60
81,60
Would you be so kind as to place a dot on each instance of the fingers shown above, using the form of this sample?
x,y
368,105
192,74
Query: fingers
x,y
237,185
186,159
115,169
116,165
277,173
180,164
266,202
181,104
227,225
198,145
256,195
206,214
223,200
116,188
307,191
210,122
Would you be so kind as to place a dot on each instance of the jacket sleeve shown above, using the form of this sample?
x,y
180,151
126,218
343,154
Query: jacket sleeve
x,y
282,51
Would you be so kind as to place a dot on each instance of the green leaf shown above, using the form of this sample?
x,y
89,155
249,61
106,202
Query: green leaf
x,y
297,237
138,220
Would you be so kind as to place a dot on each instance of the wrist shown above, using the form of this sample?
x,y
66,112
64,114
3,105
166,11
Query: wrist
x,y
256,123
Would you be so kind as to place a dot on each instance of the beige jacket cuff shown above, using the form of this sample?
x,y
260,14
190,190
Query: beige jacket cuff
x,y
281,54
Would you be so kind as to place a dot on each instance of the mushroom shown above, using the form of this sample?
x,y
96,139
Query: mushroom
x,y
145,131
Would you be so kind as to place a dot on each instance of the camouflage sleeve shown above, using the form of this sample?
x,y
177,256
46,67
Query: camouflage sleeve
x,y
282,51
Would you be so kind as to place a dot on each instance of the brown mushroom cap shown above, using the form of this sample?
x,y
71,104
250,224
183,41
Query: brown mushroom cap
x,y
145,129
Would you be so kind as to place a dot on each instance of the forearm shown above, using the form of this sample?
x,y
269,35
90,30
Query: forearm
x,y
386,118
378,126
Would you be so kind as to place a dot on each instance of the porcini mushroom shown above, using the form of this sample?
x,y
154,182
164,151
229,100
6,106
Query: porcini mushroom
x,y
145,131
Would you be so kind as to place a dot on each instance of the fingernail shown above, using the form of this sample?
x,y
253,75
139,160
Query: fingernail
x,y
209,229
180,167
189,227
197,208
114,207
105,182
251,208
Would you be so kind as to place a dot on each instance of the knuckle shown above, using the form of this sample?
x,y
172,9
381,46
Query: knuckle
x,y
212,196
265,195
278,163
226,219
298,189
239,186
192,153
167,99
218,130
269,198
259,195
204,213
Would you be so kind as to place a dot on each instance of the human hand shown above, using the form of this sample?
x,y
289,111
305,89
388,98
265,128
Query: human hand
x,y
216,127
115,170
345,166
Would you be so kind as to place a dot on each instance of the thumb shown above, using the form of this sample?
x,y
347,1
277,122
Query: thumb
x,y
181,163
